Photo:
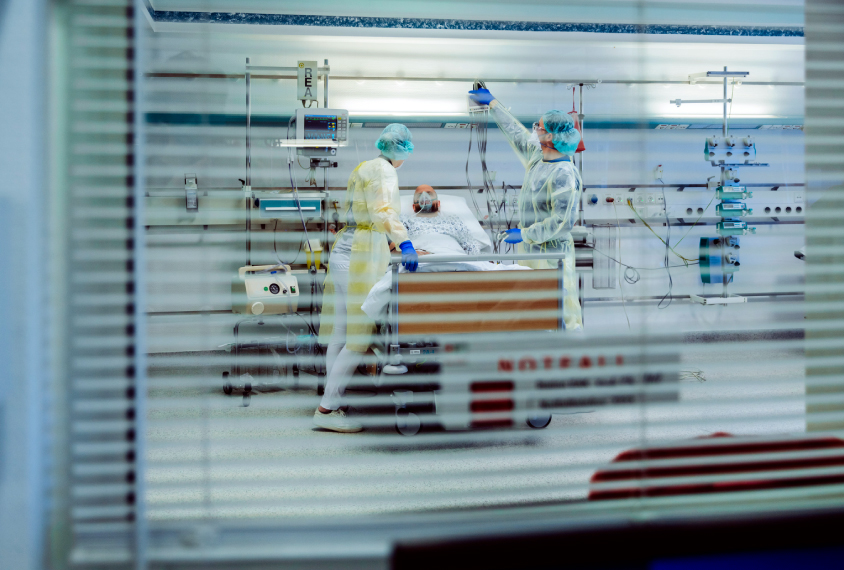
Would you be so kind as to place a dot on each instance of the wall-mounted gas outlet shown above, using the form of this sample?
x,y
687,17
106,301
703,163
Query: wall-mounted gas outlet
x,y
658,172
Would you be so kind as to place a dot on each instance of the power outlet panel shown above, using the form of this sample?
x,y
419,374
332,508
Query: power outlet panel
x,y
688,205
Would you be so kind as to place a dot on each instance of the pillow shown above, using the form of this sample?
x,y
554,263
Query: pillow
x,y
455,206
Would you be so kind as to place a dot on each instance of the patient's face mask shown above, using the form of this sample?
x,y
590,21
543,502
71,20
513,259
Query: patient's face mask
x,y
424,203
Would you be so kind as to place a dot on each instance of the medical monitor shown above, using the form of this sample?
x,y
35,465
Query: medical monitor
x,y
322,124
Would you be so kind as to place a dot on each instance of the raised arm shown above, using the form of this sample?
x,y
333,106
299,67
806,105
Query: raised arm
x,y
515,132
564,191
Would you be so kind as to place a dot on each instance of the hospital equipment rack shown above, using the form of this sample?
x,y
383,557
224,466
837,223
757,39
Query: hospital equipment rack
x,y
323,72
231,380
251,201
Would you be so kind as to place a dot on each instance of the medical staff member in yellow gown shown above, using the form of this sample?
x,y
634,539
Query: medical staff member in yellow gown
x,y
359,258
550,192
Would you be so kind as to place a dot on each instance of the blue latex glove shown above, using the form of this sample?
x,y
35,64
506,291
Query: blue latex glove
x,y
481,96
409,257
513,236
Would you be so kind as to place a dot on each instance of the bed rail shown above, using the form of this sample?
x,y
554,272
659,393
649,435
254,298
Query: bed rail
x,y
496,283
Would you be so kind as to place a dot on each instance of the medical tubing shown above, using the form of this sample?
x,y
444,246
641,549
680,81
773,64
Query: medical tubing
x,y
647,225
468,182
697,220
637,269
482,126
295,189
618,271
489,186
667,247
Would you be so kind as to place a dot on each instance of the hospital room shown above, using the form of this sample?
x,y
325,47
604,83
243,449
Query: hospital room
x,y
406,283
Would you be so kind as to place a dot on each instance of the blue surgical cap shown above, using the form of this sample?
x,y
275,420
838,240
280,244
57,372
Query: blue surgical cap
x,y
394,142
561,126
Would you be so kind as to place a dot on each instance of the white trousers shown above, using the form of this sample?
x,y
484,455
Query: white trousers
x,y
340,363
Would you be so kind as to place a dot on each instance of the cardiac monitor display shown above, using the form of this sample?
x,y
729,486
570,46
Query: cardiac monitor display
x,y
321,127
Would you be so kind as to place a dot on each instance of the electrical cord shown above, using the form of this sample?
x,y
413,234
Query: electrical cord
x,y
697,220
293,185
647,225
637,269
275,250
468,182
492,203
662,304
632,275
618,271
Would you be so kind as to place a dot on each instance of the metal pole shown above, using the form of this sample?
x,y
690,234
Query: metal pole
x,y
248,126
325,169
394,317
561,302
582,190
325,86
580,117
725,129
248,193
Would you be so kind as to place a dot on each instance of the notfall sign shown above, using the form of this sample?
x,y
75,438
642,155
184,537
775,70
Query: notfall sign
x,y
307,81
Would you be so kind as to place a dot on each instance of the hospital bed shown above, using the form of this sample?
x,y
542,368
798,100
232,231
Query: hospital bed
x,y
424,306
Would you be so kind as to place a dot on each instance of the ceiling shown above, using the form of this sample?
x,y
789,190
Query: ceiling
x,y
527,70
678,12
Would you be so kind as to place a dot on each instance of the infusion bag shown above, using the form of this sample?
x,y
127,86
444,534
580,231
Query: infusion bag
x,y
256,291
577,125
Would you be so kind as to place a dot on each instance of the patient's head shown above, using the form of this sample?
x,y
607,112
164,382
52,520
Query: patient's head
x,y
425,201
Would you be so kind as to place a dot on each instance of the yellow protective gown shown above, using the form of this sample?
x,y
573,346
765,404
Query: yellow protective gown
x,y
371,208
547,208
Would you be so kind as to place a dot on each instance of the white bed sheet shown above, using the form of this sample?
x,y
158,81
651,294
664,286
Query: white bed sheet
x,y
376,302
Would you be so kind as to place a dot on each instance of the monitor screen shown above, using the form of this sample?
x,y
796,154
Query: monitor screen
x,y
321,127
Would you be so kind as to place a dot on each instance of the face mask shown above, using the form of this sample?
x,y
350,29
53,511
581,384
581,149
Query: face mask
x,y
534,140
424,203
399,166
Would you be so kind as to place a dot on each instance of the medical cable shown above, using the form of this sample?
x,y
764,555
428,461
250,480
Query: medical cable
x,y
492,204
493,207
697,220
637,269
618,272
295,189
647,225
667,248
489,187
469,183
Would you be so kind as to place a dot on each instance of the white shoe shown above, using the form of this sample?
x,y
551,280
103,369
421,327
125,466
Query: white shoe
x,y
336,421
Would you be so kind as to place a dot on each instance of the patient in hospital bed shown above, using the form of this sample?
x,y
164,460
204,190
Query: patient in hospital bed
x,y
442,225
433,231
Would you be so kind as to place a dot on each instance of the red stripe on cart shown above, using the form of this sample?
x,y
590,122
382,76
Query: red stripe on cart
x,y
497,423
713,449
492,386
492,406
